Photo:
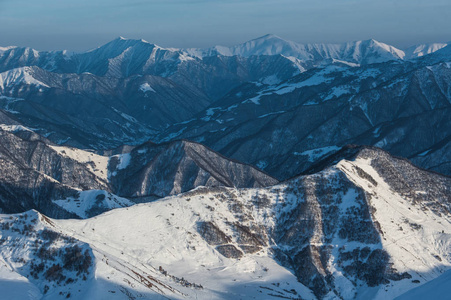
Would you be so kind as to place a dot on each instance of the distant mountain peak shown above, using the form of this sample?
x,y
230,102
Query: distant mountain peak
x,y
268,36
121,38
372,41
423,49
127,41
3,49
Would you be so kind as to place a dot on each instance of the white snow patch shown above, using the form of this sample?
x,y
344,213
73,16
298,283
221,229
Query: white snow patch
x,y
145,87
3,49
125,116
97,164
317,153
316,79
211,111
350,64
124,160
338,91
271,80
14,128
377,131
425,152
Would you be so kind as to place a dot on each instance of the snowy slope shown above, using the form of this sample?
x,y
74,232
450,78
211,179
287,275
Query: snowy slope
x,y
92,202
438,288
164,234
369,52
123,57
417,239
39,262
357,52
364,228
3,49
127,56
17,77
423,49
15,286
97,164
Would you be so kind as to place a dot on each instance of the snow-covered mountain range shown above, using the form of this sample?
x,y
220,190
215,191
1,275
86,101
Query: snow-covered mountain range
x,y
123,57
358,52
131,91
247,172
403,108
369,226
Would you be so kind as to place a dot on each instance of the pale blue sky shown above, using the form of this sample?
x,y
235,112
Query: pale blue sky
x,y
85,24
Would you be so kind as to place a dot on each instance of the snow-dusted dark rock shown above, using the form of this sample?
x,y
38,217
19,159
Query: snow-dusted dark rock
x,y
122,58
88,111
401,107
155,171
67,182
33,172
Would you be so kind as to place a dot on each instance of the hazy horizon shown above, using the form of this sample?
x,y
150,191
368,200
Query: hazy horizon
x,y
84,25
